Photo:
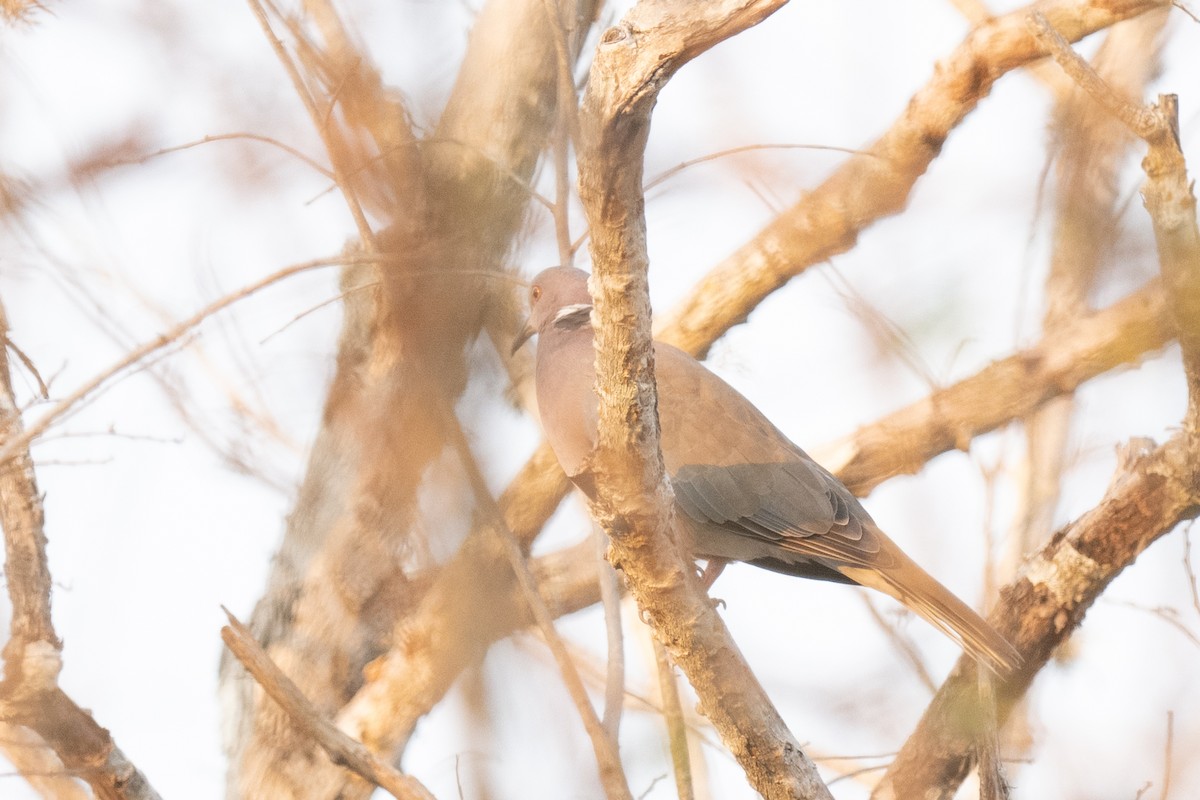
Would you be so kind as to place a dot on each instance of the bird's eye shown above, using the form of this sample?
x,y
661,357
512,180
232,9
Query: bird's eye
x,y
535,293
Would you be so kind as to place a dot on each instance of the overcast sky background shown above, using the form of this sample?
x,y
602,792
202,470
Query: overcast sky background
x,y
151,531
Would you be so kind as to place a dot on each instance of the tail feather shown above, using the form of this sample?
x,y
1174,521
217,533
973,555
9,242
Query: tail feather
x,y
919,591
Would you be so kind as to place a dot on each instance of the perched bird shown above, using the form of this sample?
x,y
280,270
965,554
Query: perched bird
x,y
743,490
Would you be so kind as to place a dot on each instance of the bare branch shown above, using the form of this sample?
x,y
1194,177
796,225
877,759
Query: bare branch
x,y
1151,493
672,711
29,693
1139,119
165,339
341,748
1005,390
828,220
333,146
610,600
226,137
634,60
612,774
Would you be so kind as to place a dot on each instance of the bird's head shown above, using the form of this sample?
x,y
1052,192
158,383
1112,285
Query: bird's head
x,y
558,295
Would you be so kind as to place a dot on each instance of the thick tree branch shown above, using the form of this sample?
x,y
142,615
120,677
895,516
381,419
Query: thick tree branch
x,y
1150,494
902,442
634,60
876,184
334,595
412,678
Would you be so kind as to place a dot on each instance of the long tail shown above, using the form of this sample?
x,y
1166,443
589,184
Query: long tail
x,y
921,592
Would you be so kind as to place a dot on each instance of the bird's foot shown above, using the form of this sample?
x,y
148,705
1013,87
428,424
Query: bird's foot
x,y
713,568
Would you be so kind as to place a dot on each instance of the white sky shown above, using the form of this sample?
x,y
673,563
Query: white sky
x,y
150,532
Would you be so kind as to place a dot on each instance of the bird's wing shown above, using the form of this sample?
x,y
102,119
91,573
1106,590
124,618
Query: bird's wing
x,y
732,468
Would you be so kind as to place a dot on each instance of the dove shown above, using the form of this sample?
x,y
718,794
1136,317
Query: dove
x,y
743,490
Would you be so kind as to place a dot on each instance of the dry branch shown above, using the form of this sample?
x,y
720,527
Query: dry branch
x,y
612,773
1151,493
634,60
876,184
29,693
902,442
415,674
338,585
340,747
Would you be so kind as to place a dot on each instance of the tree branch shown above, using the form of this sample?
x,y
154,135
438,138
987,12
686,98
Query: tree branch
x,y
1150,494
902,442
341,748
634,60
413,676
867,187
612,774
29,693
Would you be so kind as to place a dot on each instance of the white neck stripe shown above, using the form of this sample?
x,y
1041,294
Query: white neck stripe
x,y
572,310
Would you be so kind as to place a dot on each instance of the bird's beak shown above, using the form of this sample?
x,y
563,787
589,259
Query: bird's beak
x,y
527,330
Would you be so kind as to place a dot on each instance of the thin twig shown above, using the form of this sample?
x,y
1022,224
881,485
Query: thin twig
x,y
1168,749
224,137
310,104
1187,567
341,748
746,148
567,131
1140,120
1167,614
610,600
612,773
992,785
672,711
666,175
902,643
1182,7
163,340
313,309
43,390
